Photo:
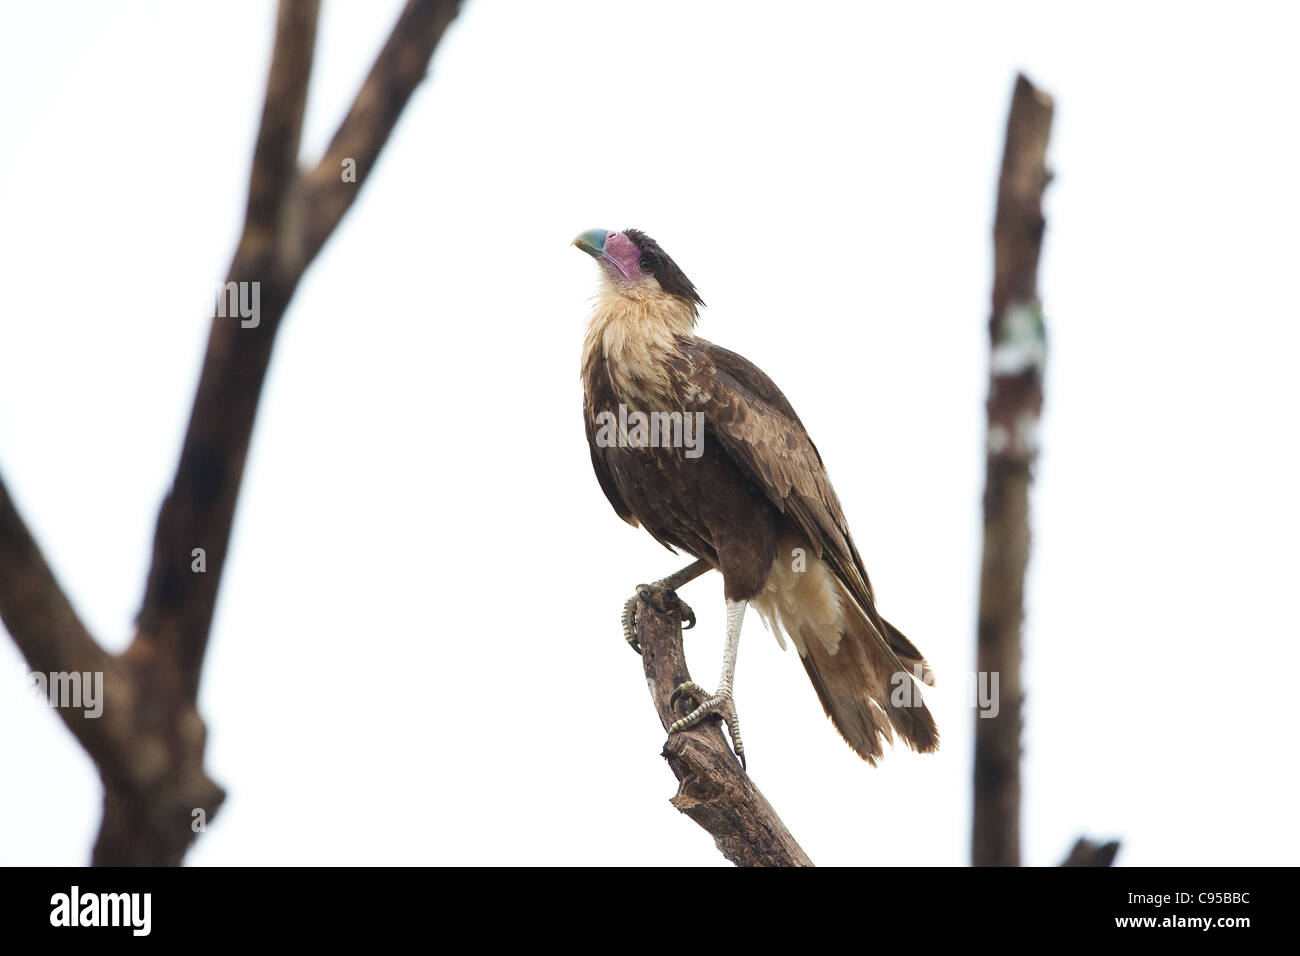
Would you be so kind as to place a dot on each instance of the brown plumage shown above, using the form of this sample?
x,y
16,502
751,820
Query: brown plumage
x,y
756,503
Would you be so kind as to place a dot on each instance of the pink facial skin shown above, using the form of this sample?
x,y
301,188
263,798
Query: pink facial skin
x,y
623,254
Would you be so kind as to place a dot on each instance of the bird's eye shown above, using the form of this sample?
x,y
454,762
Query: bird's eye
x,y
646,265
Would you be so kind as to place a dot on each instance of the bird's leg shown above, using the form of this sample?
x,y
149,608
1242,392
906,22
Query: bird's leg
x,y
721,703
667,586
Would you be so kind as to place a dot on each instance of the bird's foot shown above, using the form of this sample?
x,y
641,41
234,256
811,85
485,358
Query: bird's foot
x,y
660,598
720,703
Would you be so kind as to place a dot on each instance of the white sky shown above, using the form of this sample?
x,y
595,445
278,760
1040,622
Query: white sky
x,y
379,688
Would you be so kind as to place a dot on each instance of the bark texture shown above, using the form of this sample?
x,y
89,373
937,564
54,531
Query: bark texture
x,y
1017,352
714,790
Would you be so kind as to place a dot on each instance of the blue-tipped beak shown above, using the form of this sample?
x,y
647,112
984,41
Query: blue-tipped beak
x,y
592,242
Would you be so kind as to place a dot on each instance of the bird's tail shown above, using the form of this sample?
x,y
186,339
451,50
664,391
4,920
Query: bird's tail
x,y
865,673
868,688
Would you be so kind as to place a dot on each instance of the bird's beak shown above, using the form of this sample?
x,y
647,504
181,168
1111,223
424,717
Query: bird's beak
x,y
592,242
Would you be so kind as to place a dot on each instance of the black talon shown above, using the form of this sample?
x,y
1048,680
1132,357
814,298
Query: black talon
x,y
645,594
690,616
676,696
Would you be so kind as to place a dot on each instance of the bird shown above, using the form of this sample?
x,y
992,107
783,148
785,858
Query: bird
x,y
698,446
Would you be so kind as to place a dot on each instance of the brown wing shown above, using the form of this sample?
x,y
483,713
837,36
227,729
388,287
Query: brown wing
x,y
759,429
601,464
755,424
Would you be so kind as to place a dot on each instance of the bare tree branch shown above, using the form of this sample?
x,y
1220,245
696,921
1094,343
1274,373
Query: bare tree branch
x,y
199,509
41,620
1088,853
287,223
714,790
139,742
398,70
274,251
275,157
1015,399
149,742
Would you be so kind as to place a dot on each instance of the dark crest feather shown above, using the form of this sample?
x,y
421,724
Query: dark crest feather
x,y
671,278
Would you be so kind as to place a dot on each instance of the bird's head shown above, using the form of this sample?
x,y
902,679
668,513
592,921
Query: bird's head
x,y
636,266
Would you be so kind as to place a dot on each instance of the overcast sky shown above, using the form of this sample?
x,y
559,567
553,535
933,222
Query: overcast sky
x,y
379,688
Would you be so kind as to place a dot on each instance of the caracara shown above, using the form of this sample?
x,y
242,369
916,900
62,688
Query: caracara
x,y
699,447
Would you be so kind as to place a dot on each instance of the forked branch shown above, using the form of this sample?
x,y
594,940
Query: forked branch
x,y
149,742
